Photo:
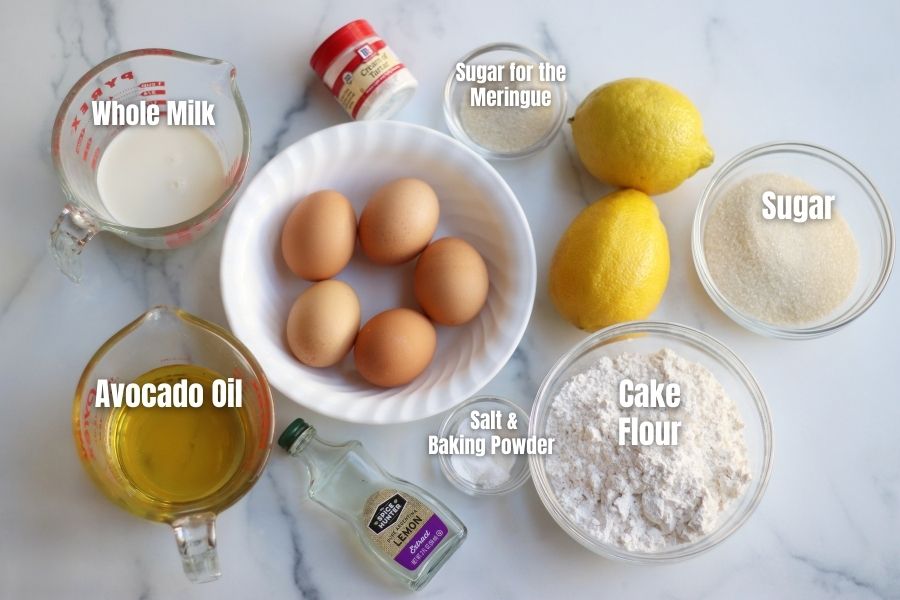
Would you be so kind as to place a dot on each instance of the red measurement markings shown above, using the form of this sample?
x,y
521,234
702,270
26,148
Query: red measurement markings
x,y
78,142
239,373
87,148
87,451
266,416
183,236
162,103
83,109
237,166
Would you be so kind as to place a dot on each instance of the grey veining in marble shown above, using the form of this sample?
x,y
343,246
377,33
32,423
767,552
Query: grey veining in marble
x,y
824,72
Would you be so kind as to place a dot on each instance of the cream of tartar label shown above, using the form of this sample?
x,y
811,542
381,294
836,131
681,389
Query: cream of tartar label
x,y
497,442
654,394
798,208
359,79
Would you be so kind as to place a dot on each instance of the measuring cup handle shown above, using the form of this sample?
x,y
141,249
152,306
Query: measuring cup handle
x,y
196,539
73,229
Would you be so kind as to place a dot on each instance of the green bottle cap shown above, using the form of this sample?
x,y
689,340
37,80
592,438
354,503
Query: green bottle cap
x,y
292,433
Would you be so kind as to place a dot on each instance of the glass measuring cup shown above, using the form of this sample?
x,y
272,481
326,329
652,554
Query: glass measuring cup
x,y
165,336
77,145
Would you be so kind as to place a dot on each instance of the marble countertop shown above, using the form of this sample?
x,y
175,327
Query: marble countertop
x,y
829,524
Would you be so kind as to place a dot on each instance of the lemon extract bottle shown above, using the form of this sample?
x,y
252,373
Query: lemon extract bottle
x,y
409,531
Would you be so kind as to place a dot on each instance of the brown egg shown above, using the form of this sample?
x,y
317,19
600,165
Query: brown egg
x,y
323,323
394,347
319,235
451,281
398,221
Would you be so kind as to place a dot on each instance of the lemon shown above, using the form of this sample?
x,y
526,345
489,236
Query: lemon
x,y
642,134
612,263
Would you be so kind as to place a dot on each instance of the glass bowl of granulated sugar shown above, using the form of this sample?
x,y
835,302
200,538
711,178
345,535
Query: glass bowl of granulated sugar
x,y
662,442
505,100
792,241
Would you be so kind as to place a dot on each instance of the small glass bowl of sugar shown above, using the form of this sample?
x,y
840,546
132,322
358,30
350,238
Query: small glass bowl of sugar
x,y
504,100
782,277
478,426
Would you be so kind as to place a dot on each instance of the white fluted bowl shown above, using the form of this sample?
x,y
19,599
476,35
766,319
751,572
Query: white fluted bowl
x,y
355,159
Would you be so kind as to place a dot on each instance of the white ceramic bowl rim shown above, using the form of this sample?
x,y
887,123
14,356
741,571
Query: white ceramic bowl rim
x,y
520,247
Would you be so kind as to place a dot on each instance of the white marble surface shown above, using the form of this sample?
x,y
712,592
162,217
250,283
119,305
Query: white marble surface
x,y
823,72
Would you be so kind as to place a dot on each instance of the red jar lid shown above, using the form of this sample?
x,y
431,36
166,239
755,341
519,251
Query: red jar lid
x,y
337,42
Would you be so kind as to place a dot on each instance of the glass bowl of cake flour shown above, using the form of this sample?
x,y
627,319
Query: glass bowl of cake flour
x,y
660,498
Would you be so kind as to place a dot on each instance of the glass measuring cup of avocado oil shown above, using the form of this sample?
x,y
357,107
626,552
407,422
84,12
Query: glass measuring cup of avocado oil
x,y
155,186
410,532
180,466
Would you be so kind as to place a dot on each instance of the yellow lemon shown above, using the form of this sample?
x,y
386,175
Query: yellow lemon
x,y
640,133
612,263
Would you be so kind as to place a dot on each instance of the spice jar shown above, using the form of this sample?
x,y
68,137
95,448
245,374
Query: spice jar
x,y
362,72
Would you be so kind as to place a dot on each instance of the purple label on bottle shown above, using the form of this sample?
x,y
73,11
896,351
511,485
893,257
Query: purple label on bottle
x,y
425,539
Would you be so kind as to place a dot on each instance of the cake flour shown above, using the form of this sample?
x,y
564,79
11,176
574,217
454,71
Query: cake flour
x,y
646,498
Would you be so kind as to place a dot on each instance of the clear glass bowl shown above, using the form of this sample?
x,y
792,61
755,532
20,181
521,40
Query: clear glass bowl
x,y
455,93
644,337
865,213
519,472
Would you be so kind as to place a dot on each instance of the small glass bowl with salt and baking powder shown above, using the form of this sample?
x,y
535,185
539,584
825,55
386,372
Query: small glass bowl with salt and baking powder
x,y
494,473
505,100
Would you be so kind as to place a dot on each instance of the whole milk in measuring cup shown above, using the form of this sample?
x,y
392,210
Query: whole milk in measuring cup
x,y
157,176
157,186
